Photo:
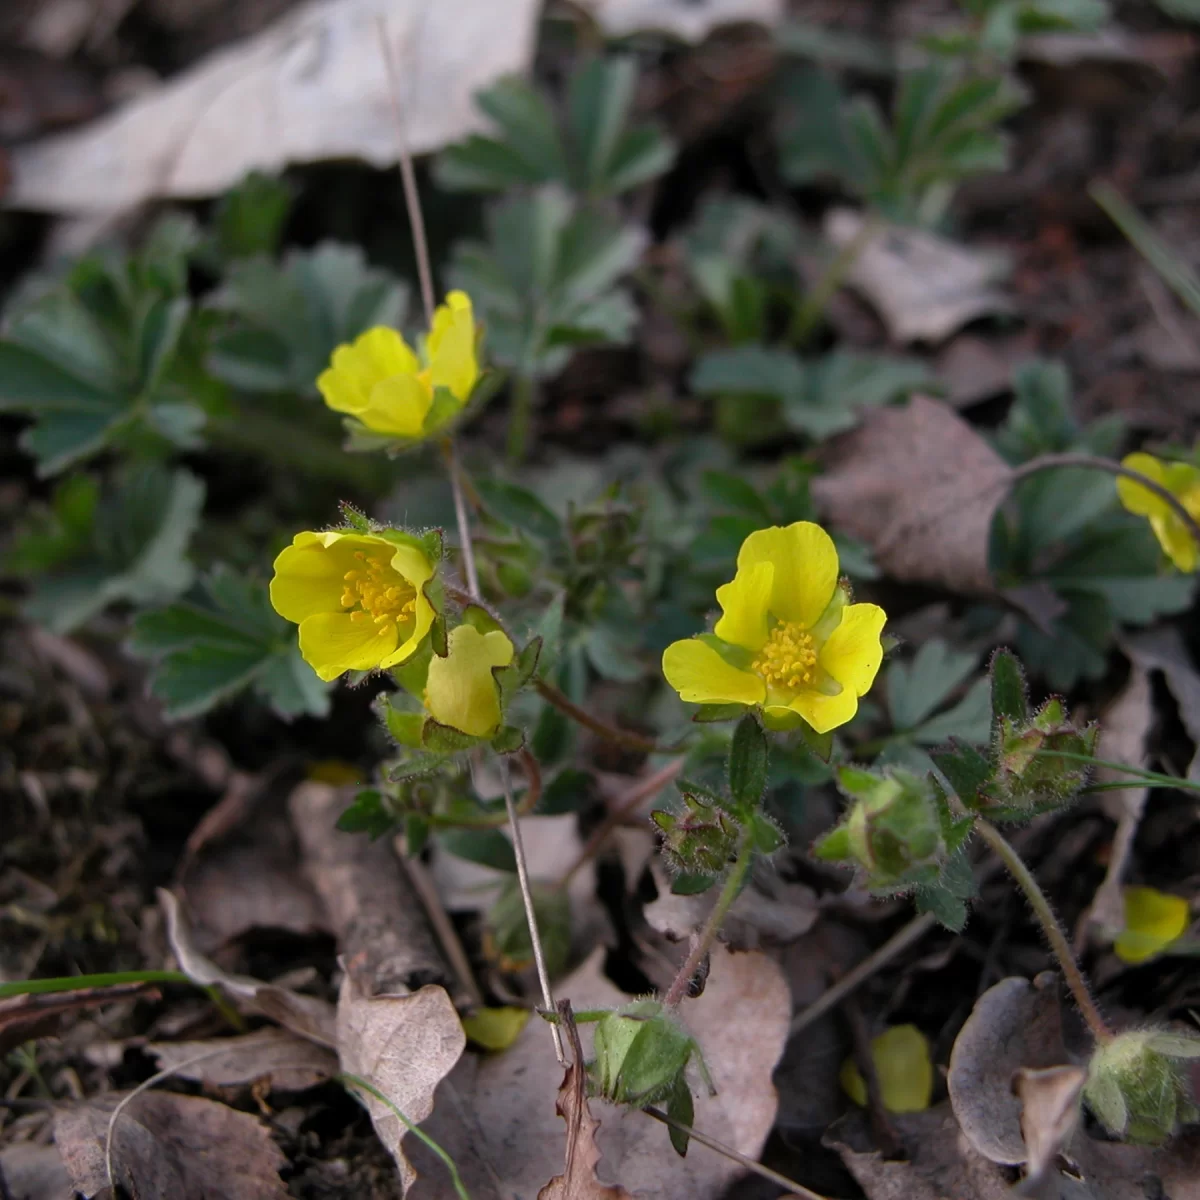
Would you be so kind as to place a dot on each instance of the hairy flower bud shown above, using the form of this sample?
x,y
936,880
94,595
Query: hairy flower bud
x,y
641,1053
1029,777
701,839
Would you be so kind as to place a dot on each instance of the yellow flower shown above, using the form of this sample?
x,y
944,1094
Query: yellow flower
x,y
1182,480
381,382
901,1059
460,690
787,639
1153,920
358,598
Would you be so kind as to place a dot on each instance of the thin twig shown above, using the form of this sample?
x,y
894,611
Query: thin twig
x,y
610,733
539,956
412,200
1048,462
641,791
1050,927
793,1189
461,519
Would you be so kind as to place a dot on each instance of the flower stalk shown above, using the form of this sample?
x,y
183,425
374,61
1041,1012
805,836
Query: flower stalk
x,y
1059,945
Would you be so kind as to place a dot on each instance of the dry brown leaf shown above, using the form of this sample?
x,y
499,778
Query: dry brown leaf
x,y
404,1046
384,940
499,1126
941,1164
919,486
311,86
1115,1171
23,1018
1124,727
579,1180
166,1145
974,368
33,1172
289,1062
1163,650
1050,1114
923,286
309,1016
684,18
1014,1024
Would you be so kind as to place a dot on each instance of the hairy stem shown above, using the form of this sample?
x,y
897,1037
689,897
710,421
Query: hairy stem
x,y
467,548
610,733
1052,462
708,935
1059,945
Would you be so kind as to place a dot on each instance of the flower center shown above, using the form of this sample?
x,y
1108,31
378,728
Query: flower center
x,y
376,592
789,658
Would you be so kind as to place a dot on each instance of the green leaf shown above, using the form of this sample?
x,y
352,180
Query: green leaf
x,y
488,847
367,815
223,640
734,492
1010,697
750,371
285,320
569,791
442,739
967,770
520,508
53,535
405,727
689,884
508,740
917,689
249,218
970,719
843,382
748,764
680,1108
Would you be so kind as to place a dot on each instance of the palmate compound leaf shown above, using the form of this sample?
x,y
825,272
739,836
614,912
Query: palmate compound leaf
x,y
220,641
135,552
547,280
916,689
286,318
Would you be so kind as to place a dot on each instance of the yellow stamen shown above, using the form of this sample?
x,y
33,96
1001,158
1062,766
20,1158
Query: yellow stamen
x,y
377,592
789,659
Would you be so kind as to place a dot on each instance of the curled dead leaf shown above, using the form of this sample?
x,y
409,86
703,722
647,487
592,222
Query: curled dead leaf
x,y
1050,1114
288,1062
919,486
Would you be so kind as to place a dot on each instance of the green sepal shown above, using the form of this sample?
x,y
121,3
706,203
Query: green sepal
x,y
765,834
691,883
680,1107
355,518
519,672
413,673
509,739
718,712
405,727
419,762
479,617
443,739
641,1052
688,787
967,769
367,814
821,744
834,846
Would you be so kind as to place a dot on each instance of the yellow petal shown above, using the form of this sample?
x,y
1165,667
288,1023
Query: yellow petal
x,y
1135,497
745,604
900,1056
461,691
701,676
852,652
1153,920
397,405
308,577
451,346
342,391
822,712
806,568
335,642
495,1028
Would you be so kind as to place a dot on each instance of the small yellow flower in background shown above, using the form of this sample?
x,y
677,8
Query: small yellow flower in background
x,y
460,690
358,598
1153,920
1182,480
787,641
495,1028
380,381
902,1066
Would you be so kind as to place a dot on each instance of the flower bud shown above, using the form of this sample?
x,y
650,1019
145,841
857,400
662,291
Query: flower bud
x,y
1137,1087
1029,778
641,1051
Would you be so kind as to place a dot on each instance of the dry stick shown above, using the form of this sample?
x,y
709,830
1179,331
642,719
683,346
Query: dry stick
x,y
539,956
416,219
793,1189
640,792
610,733
1050,926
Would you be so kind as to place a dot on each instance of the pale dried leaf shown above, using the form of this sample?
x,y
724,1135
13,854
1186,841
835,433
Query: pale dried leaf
x,y
312,86
164,1144
1014,1024
919,486
974,368
923,286
1116,1171
404,1046
289,1062
1124,727
1163,650
941,1164
684,18
500,1128
579,1180
33,1172
1050,1113
308,1016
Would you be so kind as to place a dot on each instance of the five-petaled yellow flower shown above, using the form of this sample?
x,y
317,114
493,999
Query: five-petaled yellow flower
x,y
380,381
1182,480
787,641
358,598
461,691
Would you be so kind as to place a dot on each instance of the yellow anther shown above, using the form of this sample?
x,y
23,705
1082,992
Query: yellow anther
x,y
377,592
789,658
